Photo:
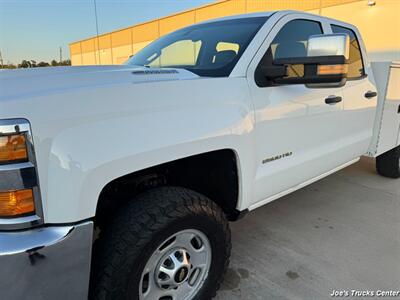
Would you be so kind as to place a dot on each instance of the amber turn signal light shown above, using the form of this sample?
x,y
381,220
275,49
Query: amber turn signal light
x,y
13,148
16,203
332,69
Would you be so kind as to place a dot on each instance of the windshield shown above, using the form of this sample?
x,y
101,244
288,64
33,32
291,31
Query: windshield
x,y
210,49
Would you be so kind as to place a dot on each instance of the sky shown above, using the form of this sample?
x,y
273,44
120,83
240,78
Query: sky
x,y
36,29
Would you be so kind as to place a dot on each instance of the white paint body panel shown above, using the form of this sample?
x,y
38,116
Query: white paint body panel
x,y
387,121
92,125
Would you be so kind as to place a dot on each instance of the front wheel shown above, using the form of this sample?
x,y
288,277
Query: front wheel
x,y
167,244
388,164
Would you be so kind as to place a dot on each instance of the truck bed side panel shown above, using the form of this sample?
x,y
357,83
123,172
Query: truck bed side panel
x,y
387,124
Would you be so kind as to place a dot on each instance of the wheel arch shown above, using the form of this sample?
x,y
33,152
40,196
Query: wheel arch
x,y
215,174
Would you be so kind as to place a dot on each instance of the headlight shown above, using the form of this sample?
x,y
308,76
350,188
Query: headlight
x,y
13,149
20,199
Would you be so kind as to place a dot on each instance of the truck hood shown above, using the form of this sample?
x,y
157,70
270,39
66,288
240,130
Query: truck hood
x,y
38,81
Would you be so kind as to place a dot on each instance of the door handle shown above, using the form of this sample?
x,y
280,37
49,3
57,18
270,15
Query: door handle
x,y
370,94
333,99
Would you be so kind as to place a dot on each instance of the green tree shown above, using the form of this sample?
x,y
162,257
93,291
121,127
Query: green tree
x,y
43,64
25,64
33,64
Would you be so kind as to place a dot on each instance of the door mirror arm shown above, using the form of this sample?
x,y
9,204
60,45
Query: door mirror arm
x,y
274,71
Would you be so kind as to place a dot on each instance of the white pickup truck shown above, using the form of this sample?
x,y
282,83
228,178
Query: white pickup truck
x,y
118,182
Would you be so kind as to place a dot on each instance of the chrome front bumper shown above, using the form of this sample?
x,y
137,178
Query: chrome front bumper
x,y
46,263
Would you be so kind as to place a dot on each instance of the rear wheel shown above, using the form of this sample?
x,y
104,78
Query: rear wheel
x,y
388,164
167,244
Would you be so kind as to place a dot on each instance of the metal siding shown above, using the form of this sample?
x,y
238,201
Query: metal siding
x,y
121,53
122,37
88,45
145,32
104,41
257,6
105,56
89,58
173,23
76,59
221,9
75,48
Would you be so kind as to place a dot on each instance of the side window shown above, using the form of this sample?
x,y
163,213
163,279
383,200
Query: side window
x,y
291,41
356,67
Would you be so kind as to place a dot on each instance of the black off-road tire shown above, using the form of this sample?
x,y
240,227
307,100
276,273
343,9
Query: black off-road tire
x,y
388,164
125,245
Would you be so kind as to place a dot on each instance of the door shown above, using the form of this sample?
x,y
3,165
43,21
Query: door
x,y
298,134
359,99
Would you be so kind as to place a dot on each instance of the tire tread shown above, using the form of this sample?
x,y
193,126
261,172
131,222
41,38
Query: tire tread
x,y
388,164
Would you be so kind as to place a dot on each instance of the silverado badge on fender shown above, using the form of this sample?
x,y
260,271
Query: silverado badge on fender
x,y
271,159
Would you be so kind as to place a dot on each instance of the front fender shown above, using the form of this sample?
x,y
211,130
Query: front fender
x,y
84,148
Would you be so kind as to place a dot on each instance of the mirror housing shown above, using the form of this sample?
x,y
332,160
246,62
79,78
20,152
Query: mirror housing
x,y
325,63
328,45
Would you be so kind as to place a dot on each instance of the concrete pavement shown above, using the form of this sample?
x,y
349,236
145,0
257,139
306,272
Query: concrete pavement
x,y
341,233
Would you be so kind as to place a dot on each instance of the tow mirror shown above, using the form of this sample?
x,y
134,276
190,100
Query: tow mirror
x,y
324,65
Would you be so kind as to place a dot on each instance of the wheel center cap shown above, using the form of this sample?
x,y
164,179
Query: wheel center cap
x,y
181,275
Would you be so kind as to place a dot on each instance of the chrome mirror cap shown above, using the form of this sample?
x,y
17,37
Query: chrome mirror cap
x,y
328,45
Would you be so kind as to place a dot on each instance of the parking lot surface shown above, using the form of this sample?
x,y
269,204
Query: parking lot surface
x,y
341,233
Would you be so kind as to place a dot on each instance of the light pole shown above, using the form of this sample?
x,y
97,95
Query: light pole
x,y
97,30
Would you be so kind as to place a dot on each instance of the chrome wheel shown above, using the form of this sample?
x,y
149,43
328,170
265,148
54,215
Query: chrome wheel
x,y
178,268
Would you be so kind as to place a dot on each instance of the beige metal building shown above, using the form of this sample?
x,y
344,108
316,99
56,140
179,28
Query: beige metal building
x,y
378,21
